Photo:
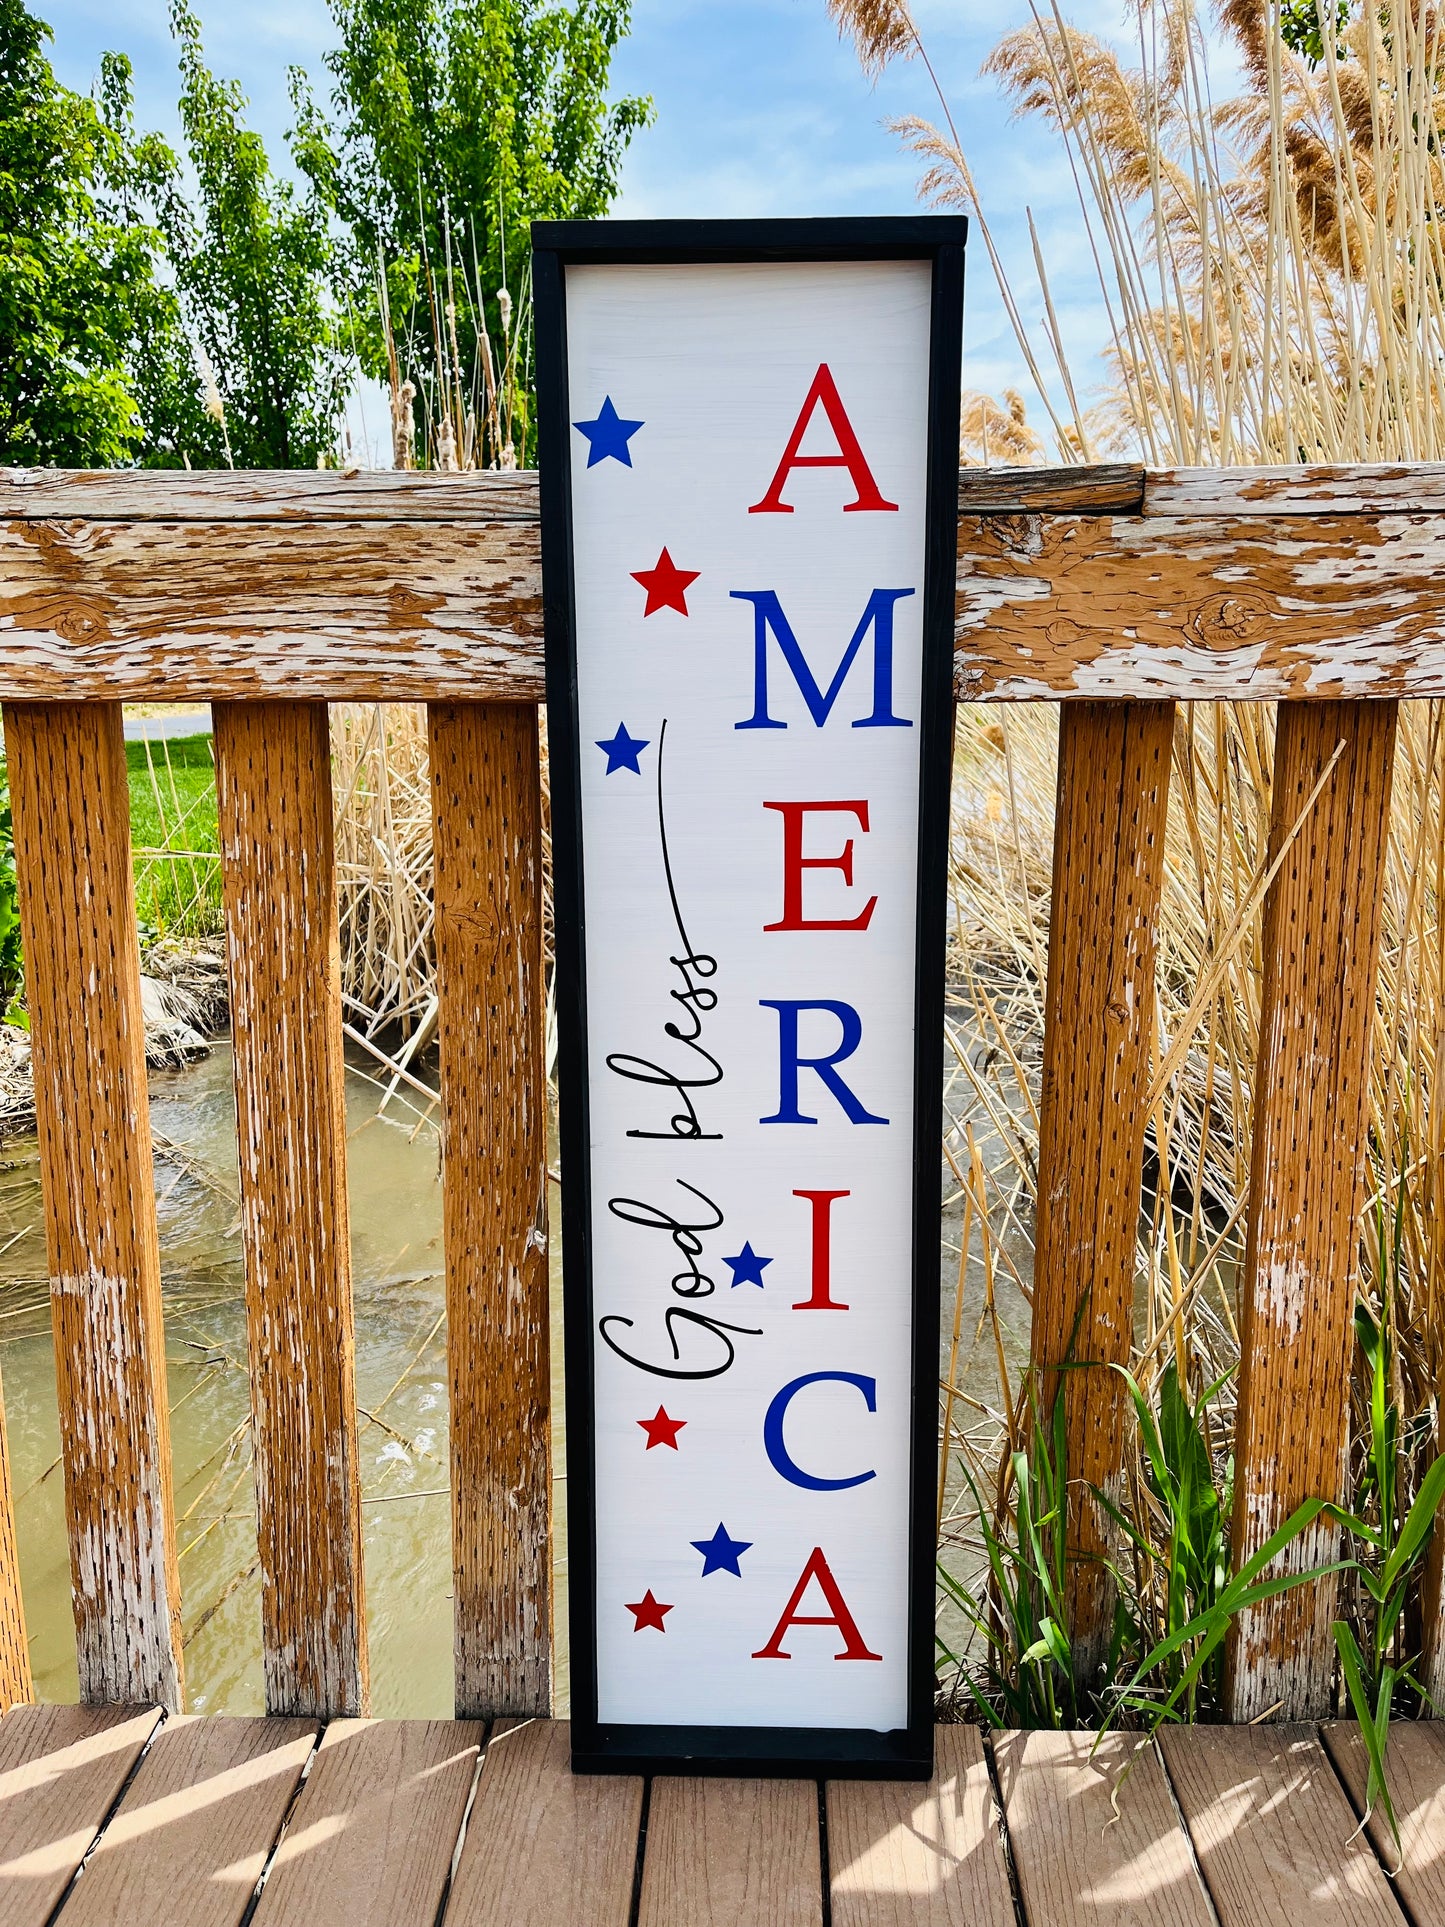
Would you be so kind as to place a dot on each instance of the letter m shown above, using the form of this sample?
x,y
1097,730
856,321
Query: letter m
x,y
768,618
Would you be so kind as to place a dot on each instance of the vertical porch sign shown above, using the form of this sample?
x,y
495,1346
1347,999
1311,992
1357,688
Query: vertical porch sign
x,y
749,470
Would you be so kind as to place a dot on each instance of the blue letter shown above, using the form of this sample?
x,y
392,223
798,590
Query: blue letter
x,y
790,1063
768,614
773,1431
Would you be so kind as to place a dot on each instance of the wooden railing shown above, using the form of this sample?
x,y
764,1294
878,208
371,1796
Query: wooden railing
x,y
1115,592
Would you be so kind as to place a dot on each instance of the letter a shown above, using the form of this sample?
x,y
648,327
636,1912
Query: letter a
x,y
837,1615
824,394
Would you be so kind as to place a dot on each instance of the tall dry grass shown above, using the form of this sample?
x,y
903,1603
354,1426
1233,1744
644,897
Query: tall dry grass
x,y
1272,273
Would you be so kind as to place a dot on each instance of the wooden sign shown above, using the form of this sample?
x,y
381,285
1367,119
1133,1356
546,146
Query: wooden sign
x,y
749,474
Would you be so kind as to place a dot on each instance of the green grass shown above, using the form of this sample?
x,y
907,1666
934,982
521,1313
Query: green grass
x,y
173,830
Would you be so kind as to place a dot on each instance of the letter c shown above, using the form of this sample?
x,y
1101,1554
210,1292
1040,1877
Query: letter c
x,y
773,1430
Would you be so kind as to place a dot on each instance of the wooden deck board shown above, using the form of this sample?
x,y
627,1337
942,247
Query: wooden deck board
x,y
903,1855
1273,1830
1415,1765
1219,1827
1079,1860
188,1842
61,1768
371,1841
732,1853
544,1846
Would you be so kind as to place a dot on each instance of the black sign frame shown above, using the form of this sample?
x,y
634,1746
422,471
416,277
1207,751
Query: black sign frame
x,y
905,1752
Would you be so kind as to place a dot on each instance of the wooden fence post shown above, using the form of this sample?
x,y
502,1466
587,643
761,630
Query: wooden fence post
x,y
1113,793
487,830
1307,1168
71,807
273,785
15,1685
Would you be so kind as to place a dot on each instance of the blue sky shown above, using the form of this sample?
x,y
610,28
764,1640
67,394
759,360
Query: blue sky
x,y
760,111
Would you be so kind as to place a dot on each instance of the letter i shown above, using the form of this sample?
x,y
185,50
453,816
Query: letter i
x,y
822,1203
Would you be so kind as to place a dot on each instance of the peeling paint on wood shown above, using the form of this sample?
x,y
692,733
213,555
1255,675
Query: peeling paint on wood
x,y
1244,596
487,834
72,847
273,791
1320,948
1194,607
1113,793
228,610
266,495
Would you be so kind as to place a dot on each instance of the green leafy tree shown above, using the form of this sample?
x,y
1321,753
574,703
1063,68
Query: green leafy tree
x,y
453,124
78,292
252,259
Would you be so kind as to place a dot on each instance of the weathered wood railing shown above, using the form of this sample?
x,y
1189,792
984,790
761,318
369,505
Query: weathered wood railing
x,y
1115,592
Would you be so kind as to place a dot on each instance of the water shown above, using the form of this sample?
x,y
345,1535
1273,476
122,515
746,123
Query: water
x,y
396,1238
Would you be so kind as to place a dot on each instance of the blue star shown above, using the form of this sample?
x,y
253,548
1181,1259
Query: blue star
x,y
721,1554
747,1267
608,435
623,751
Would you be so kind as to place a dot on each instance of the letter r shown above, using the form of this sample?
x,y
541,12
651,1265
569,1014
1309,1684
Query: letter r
x,y
790,1062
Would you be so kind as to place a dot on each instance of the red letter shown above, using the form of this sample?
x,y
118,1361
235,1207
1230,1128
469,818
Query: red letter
x,y
794,864
824,394
822,1203
838,1615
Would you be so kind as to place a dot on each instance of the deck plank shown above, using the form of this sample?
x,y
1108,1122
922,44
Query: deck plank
x,y
1273,1830
187,1844
543,1846
61,1768
1079,1862
904,1855
732,1853
371,1841
1415,1764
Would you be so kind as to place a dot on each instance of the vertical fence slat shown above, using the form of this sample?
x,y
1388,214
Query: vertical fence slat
x,y
1113,793
487,828
1311,1112
15,1684
71,810
273,781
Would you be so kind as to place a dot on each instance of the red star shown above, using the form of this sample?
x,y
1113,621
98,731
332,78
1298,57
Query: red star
x,y
662,1430
648,1611
666,585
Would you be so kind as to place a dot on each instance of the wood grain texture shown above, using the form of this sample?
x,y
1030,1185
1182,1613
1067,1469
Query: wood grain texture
x,y
1356,488
223,611
487,838
15,1684
1091,488
1238,608
1415,1770
1259,597
732,1853
61,1769
1276,1840
273,792
543,1845
1078,1861
1320,946
162,495
266,495
903,1855
71,810
371,1840
188,1842
1113,791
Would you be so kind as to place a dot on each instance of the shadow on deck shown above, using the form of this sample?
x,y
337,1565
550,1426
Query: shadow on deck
x,y
110,1816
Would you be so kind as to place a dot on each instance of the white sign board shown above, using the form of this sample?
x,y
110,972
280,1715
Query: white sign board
x,y
749,724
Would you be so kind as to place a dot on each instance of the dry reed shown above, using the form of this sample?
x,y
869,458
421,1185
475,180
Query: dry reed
x,y
1273,276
